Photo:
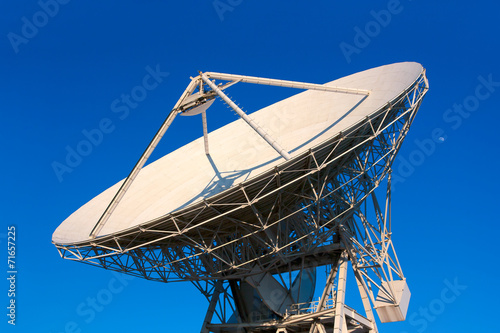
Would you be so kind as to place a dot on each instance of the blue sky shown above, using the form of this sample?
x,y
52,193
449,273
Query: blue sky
x,y
69,72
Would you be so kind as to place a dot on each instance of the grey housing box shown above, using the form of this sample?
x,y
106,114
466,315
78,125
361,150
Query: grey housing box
x,y
387,310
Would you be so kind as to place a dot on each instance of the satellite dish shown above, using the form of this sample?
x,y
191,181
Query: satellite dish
x,y
281,191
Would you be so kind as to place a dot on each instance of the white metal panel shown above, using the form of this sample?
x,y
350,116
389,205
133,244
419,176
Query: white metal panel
x,y
388,310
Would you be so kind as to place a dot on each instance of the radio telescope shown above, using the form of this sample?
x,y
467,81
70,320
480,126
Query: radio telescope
x,y
253,212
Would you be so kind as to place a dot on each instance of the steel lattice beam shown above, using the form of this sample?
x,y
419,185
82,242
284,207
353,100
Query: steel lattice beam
x,y
318,208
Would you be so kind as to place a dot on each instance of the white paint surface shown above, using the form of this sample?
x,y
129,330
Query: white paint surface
x,y
186,175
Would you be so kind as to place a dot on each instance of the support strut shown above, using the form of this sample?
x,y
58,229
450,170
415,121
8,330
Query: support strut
x,y
246,118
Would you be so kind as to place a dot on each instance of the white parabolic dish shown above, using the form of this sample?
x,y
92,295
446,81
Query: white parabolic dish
x,y
237,153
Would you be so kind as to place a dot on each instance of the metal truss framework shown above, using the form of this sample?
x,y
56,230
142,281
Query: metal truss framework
x,y
317,209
